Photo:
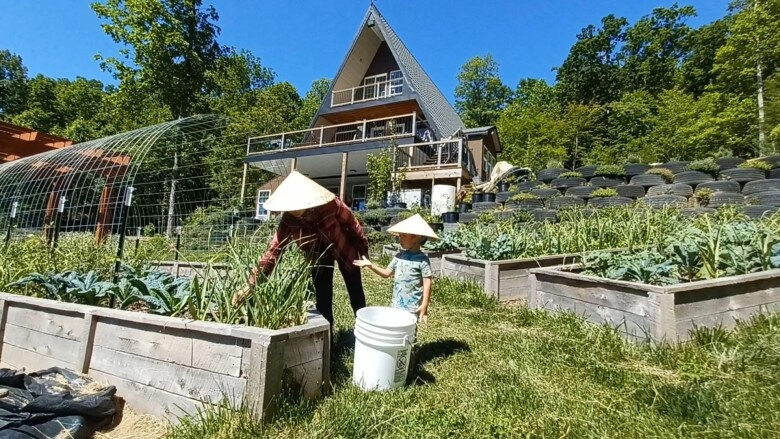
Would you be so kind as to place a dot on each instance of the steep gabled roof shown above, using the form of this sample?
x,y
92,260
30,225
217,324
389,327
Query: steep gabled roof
x,y
438,111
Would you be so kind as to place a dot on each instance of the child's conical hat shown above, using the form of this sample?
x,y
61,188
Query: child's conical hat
x,y
414,225
298,192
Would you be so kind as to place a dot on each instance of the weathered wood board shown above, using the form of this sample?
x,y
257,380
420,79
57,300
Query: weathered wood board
x,y
655,313
163,365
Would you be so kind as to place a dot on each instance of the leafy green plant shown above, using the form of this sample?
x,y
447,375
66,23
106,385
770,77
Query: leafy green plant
x,y
446,241
610,171
554,164
667,175
707,248
70,286
571,174
707,166
756,164
163,292
521,216
605,192
486,218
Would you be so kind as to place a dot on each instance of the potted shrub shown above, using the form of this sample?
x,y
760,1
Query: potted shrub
x,y
611,171
465,203
525,200
707,166
664,173
702,196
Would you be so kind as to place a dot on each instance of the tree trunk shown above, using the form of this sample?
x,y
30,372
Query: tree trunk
x,y
761,120
172,196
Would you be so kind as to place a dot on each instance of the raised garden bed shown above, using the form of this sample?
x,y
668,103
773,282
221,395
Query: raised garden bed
x,y
644,312
166,366
507,279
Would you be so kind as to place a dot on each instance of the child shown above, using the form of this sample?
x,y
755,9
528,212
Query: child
x,y
412,268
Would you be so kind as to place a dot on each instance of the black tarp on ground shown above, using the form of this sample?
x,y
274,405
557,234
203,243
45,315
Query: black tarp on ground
x,y
53,403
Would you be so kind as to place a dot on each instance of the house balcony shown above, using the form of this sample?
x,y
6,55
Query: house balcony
x,y
438,159
360,135
367,93
420,159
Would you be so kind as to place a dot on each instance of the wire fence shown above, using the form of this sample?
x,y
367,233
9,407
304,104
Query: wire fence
x,y
190,185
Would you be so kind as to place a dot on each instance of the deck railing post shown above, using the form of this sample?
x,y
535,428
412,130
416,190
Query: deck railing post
x,y
322,133
460,152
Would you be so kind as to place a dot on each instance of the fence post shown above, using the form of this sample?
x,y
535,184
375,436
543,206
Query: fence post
x,y
11,221
58,221
176,255
122,224
137,238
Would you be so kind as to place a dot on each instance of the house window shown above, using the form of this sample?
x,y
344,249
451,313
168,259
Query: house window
x,y
358,196
262,197
488,161
396,82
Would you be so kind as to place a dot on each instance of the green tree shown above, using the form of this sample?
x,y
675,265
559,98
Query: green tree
x,y
654,47
311,103
480,95
696,72
591,71
751,53
13,84
237,75
170,48
41,110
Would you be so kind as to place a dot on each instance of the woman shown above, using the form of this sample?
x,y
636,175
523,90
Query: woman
x,y
326,230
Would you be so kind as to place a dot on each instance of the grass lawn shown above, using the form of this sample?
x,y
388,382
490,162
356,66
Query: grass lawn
x,y
487,370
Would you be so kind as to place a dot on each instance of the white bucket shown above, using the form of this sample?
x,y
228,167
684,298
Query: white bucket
x,y
383,344
442,199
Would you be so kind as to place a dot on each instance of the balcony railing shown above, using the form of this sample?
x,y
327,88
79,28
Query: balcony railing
x,y
365,93
366,130
442,154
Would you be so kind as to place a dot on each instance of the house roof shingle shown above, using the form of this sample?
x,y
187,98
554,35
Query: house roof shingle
x,y
436,107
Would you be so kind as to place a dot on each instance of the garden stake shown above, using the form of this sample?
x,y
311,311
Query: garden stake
x,y
11,222
122,224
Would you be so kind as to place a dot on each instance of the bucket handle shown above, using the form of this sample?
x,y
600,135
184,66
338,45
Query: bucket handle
x,y
403,344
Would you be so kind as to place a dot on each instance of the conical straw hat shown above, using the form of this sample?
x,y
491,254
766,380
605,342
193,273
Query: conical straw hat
x,y
414,225
298,192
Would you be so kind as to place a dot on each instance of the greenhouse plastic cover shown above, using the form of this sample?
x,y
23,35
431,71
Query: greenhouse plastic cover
x,y
53,403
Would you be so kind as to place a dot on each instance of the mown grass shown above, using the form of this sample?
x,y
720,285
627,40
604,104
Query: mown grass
x,y
486,370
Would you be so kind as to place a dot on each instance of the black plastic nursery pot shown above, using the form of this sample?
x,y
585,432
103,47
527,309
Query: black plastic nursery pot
x,y
490,197
478,197
464,207
503,186
450,217
437,227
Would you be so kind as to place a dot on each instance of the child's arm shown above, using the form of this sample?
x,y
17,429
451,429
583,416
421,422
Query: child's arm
x,y
422,310
384,272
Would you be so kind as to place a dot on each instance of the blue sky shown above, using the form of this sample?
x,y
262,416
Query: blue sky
x,y
305,40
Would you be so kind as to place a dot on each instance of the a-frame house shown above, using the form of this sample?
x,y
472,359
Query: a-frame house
x,y
380,93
